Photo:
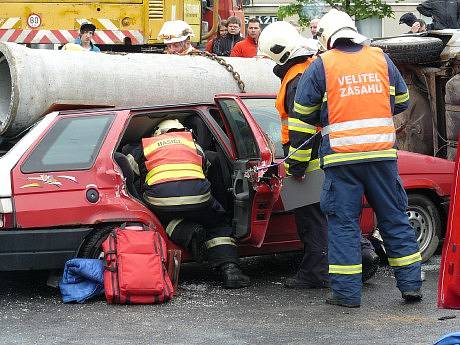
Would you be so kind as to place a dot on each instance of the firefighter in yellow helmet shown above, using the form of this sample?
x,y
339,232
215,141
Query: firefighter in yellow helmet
x,y
176,35
172,166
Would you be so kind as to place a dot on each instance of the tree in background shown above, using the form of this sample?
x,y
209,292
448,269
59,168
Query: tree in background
x,y
358,9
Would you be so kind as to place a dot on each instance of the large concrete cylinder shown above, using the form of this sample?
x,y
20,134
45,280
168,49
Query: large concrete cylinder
x,y
34,82
452,115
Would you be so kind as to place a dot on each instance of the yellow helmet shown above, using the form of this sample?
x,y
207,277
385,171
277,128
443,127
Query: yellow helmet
x,y
337,24
175,31
166,125
73,47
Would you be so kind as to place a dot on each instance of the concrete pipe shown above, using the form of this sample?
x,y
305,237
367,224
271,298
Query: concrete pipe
x,y
452,99
34,82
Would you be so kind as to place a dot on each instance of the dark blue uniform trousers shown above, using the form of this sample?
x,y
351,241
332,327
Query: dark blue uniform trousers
x,y
341,200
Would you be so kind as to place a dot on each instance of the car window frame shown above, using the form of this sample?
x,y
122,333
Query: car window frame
x,y
237,140
94,155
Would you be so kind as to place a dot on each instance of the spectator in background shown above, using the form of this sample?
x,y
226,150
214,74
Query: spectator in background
x,y
248,47
213,45
314,27
233,36
418,26
84,39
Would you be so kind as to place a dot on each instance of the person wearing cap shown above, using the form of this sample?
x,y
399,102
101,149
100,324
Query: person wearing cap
x,y
84,40
408,19
176,36
352,91
172,166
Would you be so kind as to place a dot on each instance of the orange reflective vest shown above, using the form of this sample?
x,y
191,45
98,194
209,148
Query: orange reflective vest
x,y
358,101
293,72
172,157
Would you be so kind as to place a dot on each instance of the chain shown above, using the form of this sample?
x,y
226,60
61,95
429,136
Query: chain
x,y
222,62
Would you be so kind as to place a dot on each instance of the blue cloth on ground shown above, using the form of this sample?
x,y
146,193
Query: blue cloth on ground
x,y
82,279
449,339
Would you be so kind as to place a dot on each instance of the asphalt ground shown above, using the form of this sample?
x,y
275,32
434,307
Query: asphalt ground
x,y
204,313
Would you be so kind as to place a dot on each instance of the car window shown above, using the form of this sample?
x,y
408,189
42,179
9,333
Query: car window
x,y
246,146
264,112
71,144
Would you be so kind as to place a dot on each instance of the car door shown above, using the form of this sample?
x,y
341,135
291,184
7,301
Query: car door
x,y
62,178
449,272
256,184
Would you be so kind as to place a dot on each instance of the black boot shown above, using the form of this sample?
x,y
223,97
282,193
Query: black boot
x,y
295,282
370,261
232,277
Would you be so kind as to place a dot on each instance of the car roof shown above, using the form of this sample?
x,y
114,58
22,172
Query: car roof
x,y
164,106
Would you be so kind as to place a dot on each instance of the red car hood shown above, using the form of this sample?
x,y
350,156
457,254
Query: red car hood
x,y
410,163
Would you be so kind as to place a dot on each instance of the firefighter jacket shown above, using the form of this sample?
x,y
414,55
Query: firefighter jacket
x,y
175,176
352,92
290,74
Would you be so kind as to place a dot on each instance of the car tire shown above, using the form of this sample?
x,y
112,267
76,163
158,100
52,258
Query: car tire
x,y
92,246
425,219
411,49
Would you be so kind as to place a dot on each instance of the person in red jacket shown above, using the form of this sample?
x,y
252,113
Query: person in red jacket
x,y
248,47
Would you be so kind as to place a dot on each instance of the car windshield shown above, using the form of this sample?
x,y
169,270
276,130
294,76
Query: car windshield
x,y
264,112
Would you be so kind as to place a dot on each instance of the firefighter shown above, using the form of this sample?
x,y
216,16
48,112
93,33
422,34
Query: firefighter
x,y
293,53
352,91
176,189
176,35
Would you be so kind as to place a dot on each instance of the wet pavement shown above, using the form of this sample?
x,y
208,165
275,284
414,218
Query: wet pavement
x,y
204,313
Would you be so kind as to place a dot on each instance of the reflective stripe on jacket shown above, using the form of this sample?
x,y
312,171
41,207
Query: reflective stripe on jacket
x,y
172,157
286,122
358,96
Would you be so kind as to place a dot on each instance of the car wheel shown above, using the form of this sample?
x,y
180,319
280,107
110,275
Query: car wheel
x,y
425,219
92,247
411,49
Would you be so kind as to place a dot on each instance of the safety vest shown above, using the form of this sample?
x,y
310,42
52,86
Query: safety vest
x,y
293,72
172,157
358,101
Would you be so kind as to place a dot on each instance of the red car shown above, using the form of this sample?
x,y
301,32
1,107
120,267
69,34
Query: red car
x,y
449,273
66,183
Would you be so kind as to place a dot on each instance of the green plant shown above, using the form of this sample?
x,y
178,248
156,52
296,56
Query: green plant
x,y
358,9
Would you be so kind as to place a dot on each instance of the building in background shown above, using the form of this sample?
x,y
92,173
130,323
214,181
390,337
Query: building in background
x,y
265,11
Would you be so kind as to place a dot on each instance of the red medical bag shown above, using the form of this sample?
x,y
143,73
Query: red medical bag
x,y
135,267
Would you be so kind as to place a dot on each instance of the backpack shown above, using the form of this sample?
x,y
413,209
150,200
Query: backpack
x,y
135,267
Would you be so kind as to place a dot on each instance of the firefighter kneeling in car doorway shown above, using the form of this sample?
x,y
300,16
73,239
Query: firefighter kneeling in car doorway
x,y
177,191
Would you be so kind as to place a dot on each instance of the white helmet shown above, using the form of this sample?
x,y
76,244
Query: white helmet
x,y
281,41
166,125
175,31
337,24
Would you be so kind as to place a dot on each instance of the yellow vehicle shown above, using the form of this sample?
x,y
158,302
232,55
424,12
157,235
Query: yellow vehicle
x,y
118,22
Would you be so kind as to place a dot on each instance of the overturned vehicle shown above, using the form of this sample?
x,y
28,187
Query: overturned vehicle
x,y
430,65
